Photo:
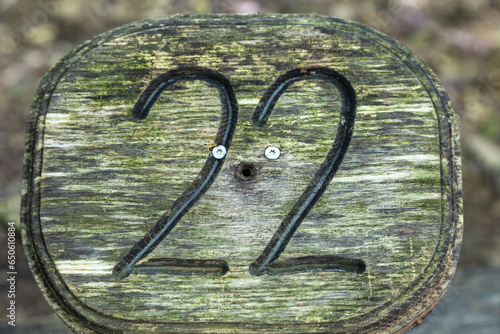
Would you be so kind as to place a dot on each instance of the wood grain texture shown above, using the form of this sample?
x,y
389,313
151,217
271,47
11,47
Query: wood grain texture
x,y
96,180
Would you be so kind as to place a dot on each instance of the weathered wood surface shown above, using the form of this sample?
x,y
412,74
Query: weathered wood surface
x,y
96,180
470,305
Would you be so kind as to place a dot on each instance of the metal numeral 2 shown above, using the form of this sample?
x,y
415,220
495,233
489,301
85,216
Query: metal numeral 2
x,y
265,262
199,186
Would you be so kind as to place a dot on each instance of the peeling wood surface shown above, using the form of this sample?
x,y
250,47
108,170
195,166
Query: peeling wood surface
x,y
96,180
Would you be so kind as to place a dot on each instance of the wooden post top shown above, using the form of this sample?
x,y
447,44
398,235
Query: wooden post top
x,y
242,174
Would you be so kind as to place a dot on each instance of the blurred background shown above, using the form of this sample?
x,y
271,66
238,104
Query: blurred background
x,y
458,39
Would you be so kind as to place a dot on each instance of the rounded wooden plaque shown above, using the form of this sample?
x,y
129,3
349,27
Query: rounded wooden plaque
x,y
242,174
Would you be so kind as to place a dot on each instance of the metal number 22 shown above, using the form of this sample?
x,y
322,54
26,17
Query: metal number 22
x,y
265,263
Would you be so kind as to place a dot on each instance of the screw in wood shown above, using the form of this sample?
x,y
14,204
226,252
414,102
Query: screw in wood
x,y
219,152
272,152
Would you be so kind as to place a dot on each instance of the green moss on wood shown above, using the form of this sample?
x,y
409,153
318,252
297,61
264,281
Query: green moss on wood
x,y
106,178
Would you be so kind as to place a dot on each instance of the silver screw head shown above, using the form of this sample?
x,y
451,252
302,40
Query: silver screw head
x,y
272,152
219,152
